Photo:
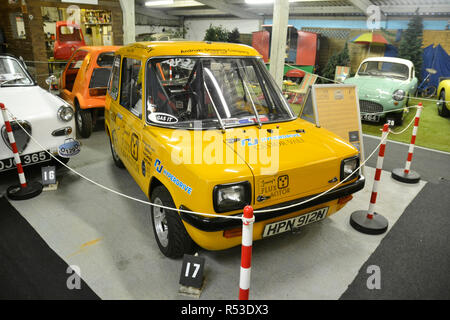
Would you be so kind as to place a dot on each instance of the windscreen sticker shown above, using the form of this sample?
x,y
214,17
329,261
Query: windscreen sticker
x,y
180,184
164,118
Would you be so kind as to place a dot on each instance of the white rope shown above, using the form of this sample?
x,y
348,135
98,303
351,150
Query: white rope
x,y
114,191
238,217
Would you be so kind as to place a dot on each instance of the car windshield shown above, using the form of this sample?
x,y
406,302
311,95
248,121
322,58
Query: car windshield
x,y
12,73
213,92
384,69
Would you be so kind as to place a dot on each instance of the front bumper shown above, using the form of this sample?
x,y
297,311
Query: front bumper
x,y
219,224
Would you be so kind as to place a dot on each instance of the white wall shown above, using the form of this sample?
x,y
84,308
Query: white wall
x,y
154,29
197,27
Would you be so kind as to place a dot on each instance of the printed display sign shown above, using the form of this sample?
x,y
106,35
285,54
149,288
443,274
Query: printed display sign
x,y
192,271
48,175
336,108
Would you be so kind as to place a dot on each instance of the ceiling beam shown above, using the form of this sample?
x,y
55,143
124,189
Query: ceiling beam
x,y
232,9
193,12
363,5
423,8
154,13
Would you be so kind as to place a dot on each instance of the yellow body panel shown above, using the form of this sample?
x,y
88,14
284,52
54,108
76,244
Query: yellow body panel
x,y
311,159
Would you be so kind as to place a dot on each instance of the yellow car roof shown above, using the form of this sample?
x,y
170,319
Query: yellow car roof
x,y
149,49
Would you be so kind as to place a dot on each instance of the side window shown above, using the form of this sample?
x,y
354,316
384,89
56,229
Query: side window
x,y
113,87
131,86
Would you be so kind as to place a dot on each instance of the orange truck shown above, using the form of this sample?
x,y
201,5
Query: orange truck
x,y
83,84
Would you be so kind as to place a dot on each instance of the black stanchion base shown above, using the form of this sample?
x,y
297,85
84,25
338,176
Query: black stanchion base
x,y
399,175
377,225
32,190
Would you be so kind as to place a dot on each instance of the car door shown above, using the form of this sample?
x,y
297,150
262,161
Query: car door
x,y
70,74
130,114
112,106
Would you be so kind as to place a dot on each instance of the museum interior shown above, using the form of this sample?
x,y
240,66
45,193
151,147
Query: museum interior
x,y
206,151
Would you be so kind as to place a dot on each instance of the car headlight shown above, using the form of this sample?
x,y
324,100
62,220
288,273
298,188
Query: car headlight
x,y
398,95
65,113
348,166
233,196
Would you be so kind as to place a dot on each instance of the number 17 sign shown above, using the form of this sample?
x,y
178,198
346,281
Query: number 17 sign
x,y
192,271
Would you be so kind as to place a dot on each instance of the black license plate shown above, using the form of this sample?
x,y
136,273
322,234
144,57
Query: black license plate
x,y
27,159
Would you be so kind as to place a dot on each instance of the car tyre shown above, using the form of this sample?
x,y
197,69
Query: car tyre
x,y
83,119
115,156
442,109
170,233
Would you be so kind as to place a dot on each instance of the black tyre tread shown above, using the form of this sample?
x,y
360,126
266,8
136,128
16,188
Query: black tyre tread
x,y
179,240
119,162
86,128
445,112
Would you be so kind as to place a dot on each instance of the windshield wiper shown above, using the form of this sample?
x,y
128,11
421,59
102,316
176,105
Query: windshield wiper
x,y
215,108
253,105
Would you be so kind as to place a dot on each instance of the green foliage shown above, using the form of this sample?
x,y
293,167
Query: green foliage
x,y
221,34
234,36
216,33
341,58
410,47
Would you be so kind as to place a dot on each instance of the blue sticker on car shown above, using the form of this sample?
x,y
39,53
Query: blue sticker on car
x,y
160,169
69,148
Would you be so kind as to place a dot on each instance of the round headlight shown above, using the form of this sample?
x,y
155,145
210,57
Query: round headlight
x,y
398,95
65,113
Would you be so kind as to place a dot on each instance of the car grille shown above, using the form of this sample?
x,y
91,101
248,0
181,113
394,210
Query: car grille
x,y
367,106
20,136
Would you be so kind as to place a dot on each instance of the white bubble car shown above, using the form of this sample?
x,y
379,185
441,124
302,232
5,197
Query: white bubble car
x,y
48,118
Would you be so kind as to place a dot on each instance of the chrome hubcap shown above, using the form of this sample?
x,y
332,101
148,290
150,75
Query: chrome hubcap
x,y
160,222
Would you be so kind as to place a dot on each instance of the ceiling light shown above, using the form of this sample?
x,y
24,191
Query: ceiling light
x,y
158,3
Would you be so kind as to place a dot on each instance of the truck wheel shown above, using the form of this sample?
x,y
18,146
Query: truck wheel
x,y
442,110
170,234
115,156
83,119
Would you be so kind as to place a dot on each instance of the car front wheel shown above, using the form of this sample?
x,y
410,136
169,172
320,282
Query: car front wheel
x,y
84,122
115,156
442,110
170,233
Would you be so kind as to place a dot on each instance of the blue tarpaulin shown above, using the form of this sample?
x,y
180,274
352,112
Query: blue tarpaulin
x,y
435,58
390,51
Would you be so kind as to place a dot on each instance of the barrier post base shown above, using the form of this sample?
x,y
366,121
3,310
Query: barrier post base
x,y
410,177
17,192
377,225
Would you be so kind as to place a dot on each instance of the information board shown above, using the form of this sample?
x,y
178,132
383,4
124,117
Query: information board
x,y
336,108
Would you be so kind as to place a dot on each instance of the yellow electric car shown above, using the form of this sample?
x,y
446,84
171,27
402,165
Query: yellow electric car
x,y
203,127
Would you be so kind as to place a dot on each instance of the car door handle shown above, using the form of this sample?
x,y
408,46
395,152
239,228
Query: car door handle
x,y
119,116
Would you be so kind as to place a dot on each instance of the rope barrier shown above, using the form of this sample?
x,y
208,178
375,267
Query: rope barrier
x,y
238,217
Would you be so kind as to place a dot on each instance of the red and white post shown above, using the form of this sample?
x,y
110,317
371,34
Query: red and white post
x,y
246,253
368,221
24,190
407,175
